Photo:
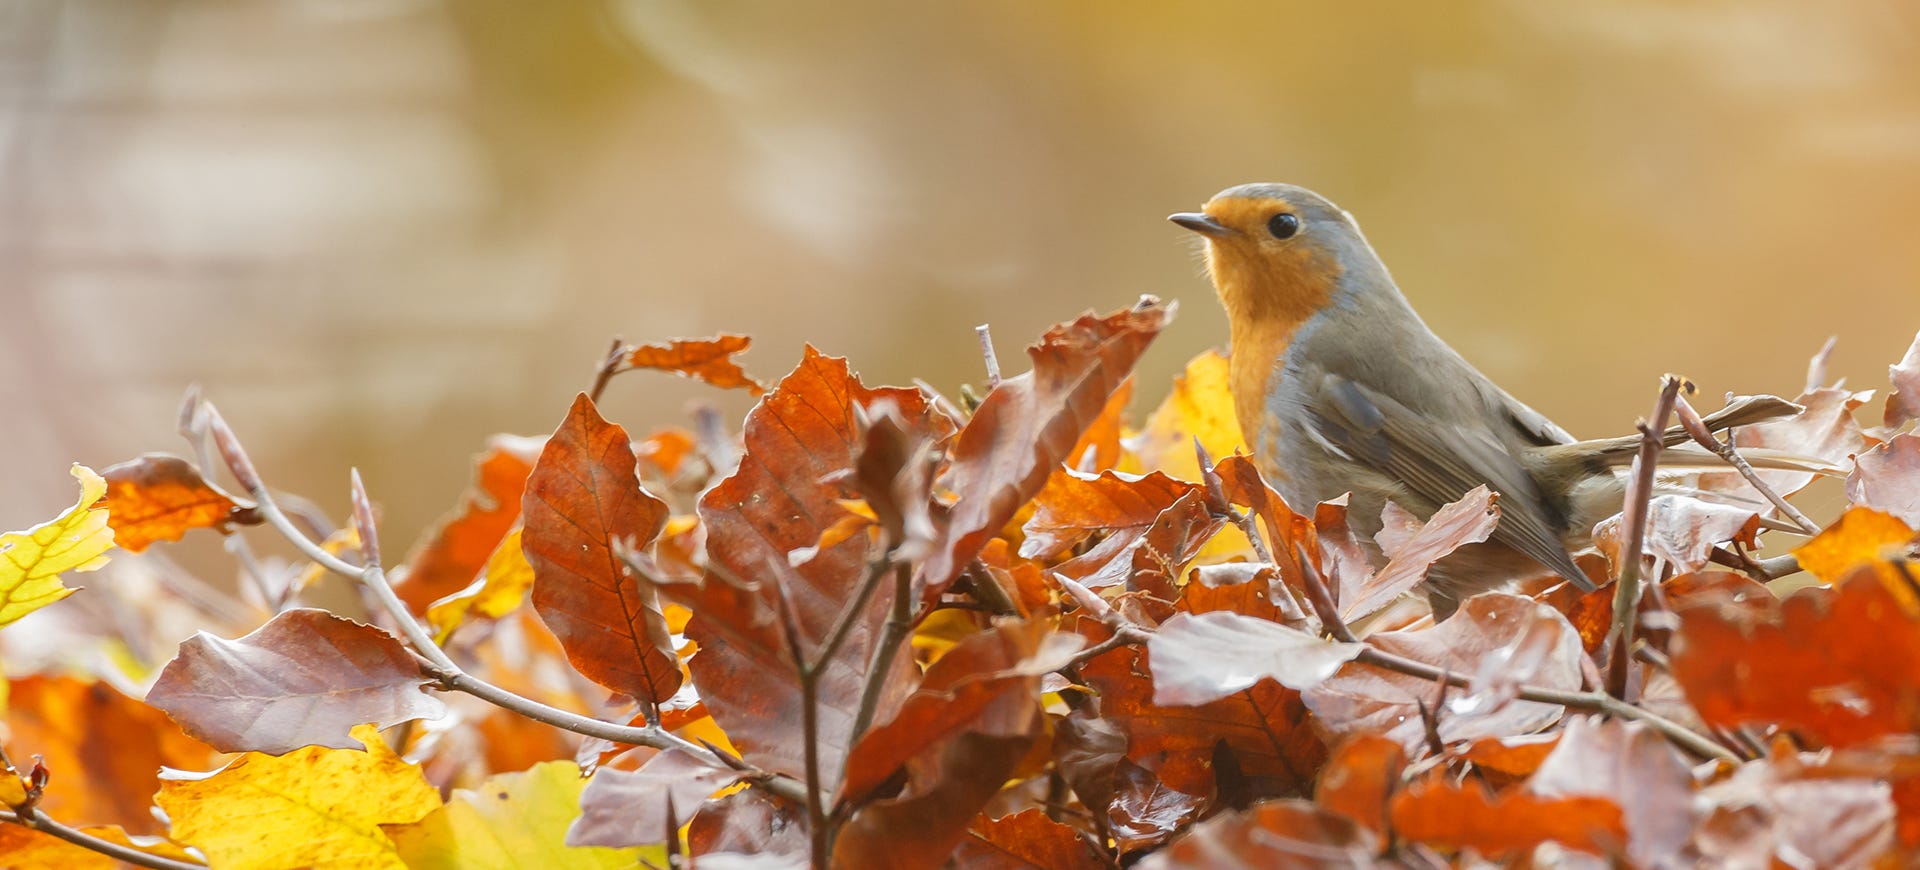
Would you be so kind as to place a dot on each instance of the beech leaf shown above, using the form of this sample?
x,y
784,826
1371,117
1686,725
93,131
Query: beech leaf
x,y
306,678
1887,478
1198,658
511,820
629,807
705,359
1469,520
160,498
32,561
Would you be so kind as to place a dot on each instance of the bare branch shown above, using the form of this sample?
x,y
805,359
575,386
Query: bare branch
x,y
1626,594
1697,430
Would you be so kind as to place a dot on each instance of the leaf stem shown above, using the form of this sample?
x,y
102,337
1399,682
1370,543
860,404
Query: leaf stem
x,y
32,817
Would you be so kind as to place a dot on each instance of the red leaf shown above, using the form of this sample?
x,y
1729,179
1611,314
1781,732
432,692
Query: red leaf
x,y
581,499
1835,665
1027,425
752,823
629,808
1202,658
306,678
1283,834
1026,839
1363,698
706,359
800,454
1245,588
160,498
1886,478
447,560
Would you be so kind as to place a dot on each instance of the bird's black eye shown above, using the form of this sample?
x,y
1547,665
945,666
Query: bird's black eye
x,y
1283,225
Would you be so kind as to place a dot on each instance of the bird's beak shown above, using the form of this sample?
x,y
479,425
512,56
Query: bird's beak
x,y
1203,224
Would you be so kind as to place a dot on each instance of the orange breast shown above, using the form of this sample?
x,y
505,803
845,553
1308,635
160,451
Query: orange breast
x,y
1268,294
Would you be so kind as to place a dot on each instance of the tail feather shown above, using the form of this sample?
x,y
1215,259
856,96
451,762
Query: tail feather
x,y
1744,411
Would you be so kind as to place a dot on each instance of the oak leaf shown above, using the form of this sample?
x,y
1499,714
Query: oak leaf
x,y
306,678
1469,520
1076,505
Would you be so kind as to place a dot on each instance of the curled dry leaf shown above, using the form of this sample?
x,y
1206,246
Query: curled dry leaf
x,y
449,557
629,807
29,849
1683,530
750,825
1467,521
1285,833
1887,477
160,498
1834,665
1149,557
1151,805
582,498
1199,658
705,359
1362,698
1783,811
1903,401
1636,769
789,490
1245,588
1027,425
306,678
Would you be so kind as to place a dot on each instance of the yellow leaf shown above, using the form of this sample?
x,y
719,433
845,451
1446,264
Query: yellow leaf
x,y
512,820
310,807
1199,406
32,561
28,849
502,587
1860,536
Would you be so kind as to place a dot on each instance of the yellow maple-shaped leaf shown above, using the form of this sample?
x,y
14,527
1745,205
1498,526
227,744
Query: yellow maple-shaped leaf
x,y
512,820
1199,407
502,587
310,807
32,561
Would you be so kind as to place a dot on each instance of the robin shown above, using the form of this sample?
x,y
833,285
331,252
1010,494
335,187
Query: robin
x,y
1340,387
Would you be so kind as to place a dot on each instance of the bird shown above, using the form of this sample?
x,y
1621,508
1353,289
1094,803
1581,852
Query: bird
x,y
1340,387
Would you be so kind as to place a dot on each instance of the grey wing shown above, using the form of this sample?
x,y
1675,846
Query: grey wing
x,y
1441,462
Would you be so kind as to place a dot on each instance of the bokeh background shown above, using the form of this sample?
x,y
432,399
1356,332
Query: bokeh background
x,y
375,231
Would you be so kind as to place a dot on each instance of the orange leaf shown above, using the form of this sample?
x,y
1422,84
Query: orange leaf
x,y
582,498
1467,816
1024,839
1362,773
105,750
706,359
448,559
160,498
1860,536
1284,833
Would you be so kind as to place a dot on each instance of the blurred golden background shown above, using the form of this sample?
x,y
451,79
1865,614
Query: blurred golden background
x,y
375,231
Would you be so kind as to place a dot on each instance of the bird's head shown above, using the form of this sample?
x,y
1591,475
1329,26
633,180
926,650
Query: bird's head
x,y
1276,251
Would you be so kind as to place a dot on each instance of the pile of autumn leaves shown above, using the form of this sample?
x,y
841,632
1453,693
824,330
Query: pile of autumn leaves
x,y
1095,662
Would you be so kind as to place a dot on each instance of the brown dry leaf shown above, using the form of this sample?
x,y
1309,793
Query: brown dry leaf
x,y
1199,406
1360,777
1824,430
306,678
1151,805
1437,812
1274,835
1467,521
1023,840
1149,557
1903,401
1785,812
1887,478
630,808
705,359
790,488
1511,757
1683,530
1365,699
1861,536
1200,658
452,555
160,498
1267,727
749,822
582,499
1026,426
1075,505
104,749
1835,665
1636,769
958,738
1245,588
1337,552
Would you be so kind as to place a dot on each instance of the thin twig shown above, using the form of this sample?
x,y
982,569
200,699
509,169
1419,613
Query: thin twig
x,y
1697,429
986,353
899,623
809,676
1217,499
32,817
1322,598
609,366
1626,594
435,662
850,613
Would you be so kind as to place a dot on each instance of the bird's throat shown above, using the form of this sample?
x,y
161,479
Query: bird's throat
x,y
1268,296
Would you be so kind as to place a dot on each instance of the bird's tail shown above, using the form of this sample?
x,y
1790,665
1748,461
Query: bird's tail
x,y
1744,411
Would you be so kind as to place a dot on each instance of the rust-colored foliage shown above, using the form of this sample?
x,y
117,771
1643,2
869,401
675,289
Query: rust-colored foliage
x,y
583,500
160,498
1033,636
